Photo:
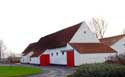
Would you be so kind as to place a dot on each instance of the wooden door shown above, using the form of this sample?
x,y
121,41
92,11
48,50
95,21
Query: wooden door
x,y
70,58
44,60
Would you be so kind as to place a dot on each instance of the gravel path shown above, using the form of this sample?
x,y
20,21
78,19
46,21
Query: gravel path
x,y
48,71
54,71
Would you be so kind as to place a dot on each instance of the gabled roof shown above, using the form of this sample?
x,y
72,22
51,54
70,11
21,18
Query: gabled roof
x,y
55,40
111,40
60,38
29,48
92,48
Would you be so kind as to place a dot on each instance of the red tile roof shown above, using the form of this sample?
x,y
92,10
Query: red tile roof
x,y
92,48
55,40
111,40
58,39
37,53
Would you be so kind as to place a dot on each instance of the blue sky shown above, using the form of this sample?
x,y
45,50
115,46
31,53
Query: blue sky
x,y
25,21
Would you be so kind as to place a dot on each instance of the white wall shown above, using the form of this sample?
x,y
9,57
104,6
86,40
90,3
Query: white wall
x,y
87,37
60,58
91,58
119,46
35,60
77,58
26,58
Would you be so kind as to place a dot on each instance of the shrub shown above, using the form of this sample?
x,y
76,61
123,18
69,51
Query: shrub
x,y
118,59
100,70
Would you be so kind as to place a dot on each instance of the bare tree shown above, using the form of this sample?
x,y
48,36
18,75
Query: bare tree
x,y
2,49
1,43
100,26
13,58
0,53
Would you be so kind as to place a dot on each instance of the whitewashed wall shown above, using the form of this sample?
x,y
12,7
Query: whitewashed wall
x,y
26,59
91,58
77,58
35,60
58,59
84,35
119,46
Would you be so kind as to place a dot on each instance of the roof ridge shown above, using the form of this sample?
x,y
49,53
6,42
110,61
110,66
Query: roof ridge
x,y
114,36
92,48
56,39
62,29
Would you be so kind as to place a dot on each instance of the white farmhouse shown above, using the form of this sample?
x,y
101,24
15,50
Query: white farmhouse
x,y
72,46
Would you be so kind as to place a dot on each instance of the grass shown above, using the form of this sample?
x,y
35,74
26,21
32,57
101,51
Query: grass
x,y
100,70
17,71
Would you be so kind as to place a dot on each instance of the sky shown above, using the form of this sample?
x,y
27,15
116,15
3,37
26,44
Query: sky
x,y
26,21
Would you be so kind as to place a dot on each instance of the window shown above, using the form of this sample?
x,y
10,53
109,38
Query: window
x,y
63,52
51,54
57,53
84,32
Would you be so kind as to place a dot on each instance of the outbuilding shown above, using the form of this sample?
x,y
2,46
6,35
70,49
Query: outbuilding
x,y
116,42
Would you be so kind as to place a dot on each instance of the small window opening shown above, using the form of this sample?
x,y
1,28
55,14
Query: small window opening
x,y
51,54
57,53
63,52
84,32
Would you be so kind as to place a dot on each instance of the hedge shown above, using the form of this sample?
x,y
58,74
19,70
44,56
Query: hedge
x,y
100,70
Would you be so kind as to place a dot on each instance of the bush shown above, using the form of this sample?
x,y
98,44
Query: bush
x,y
118,59
100,70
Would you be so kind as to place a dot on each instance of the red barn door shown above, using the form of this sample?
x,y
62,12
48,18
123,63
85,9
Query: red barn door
x,y
44,60
70,58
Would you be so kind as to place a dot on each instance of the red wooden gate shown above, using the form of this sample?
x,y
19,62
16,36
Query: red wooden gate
x,y
44,60
70,58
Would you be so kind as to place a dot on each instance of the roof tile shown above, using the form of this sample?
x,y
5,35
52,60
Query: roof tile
x,y
92,48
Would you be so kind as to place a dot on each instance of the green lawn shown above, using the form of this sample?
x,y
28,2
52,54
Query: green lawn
x,y
17,71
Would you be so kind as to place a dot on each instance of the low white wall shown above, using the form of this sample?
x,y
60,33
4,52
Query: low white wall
x,y
84,58
26,58
77,58
60,58
35,60
94,58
